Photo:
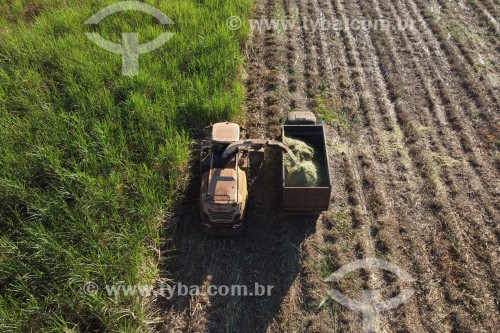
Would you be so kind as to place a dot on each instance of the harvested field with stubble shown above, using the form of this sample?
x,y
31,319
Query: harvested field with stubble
x,y
413,137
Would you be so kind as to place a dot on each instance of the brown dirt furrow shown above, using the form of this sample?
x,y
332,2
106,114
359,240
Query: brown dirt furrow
x,y
354,230
492,9
354,188
447,144
363,88
344,77
477,20
369,185
262,81
485,15
324,59
475,210
299,309
456,133
437,183
301,306
465,26
357,196
447,88
472,145
464,43
462,65
295,58
474,204
273,80
311,75
388,244
460,110
450,112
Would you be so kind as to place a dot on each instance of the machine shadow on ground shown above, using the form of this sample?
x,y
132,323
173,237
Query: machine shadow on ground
x,y
267,252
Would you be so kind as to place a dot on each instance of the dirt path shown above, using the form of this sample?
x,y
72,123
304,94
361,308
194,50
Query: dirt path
x,y
413,132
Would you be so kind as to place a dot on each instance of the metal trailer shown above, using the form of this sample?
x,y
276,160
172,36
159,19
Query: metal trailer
x,y
307,200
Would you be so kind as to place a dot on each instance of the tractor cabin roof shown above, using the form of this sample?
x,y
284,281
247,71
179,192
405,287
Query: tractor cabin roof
x,y
226,132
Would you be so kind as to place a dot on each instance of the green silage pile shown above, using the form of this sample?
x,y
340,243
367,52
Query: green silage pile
x,y
304,174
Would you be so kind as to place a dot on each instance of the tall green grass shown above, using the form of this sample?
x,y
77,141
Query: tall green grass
x,y
91,161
